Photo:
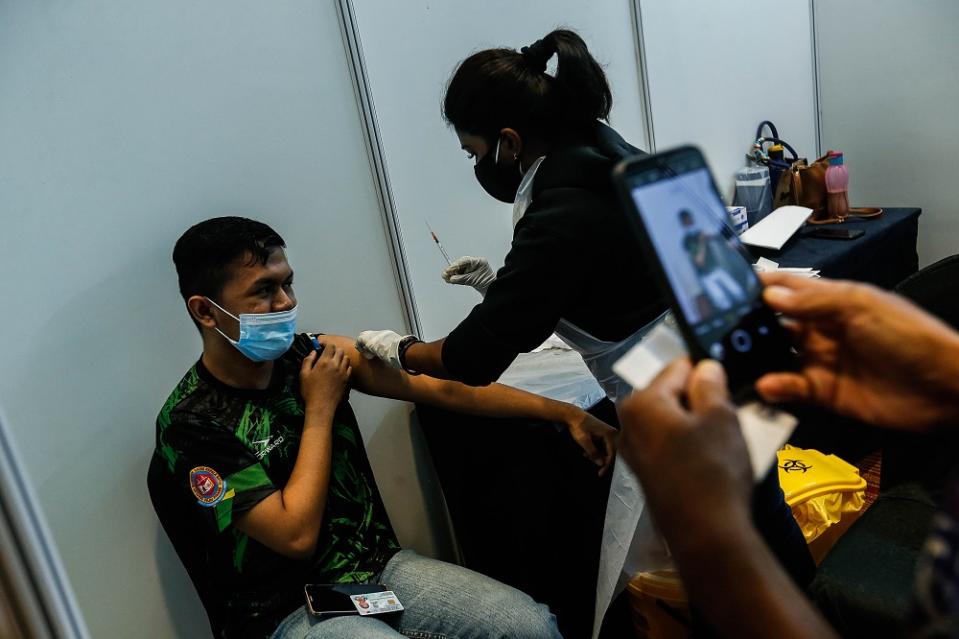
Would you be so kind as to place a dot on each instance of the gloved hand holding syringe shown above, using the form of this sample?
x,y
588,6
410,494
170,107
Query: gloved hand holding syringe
x,y
466,270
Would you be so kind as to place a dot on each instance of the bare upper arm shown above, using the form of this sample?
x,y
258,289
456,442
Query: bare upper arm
x,y
373,377
348,346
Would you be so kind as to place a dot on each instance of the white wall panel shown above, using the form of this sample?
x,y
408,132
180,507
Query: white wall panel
x,y
716,69
889,102
121,124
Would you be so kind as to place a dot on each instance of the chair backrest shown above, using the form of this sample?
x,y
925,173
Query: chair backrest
x,y
935,289
926,459
174,516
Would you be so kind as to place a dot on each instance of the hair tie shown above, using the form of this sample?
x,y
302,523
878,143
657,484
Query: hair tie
x,y
536,55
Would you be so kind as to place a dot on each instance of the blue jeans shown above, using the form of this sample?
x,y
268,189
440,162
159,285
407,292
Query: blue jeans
x,y
441,601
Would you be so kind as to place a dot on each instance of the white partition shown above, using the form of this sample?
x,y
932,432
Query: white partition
x,y
122,123
889,102
36,599
410,49
716,69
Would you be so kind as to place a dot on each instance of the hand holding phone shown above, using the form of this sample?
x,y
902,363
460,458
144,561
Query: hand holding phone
x,y
683,227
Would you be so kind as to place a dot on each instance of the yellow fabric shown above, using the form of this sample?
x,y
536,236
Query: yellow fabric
x,y
818,514
820,489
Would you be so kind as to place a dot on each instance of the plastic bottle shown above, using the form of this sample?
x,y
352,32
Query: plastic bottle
x,y
837,186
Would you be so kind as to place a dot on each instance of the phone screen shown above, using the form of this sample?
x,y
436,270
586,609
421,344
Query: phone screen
x,y
324,599
708,271
330,600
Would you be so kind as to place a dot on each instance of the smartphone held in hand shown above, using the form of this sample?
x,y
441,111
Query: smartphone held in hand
x,y
684,231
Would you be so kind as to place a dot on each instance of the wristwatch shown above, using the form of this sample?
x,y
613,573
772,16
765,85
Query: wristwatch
x,y
404,344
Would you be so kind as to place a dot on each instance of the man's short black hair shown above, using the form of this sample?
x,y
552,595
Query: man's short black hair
x,y
685,216
203,255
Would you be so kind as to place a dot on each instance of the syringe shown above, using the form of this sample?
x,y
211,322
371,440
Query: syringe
x,y
439,244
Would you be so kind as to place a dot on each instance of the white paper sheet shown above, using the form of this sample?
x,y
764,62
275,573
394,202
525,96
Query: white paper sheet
x,y
765,430
774,230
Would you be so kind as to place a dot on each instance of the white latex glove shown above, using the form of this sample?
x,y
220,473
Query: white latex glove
x,y
384,345
470,271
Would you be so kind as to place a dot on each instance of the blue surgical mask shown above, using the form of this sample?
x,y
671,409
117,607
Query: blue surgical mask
x,y
263,336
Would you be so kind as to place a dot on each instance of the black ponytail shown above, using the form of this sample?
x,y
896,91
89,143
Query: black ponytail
x,y
499,88
581,77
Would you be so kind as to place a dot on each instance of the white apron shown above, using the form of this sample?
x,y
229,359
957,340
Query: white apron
x,y
630,542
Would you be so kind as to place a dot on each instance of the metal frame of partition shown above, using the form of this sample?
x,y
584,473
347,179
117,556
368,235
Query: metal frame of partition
x,y
814,34
381,178
636,12
35,594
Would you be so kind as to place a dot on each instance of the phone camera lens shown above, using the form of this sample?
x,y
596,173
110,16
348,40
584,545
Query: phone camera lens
x,y
741,340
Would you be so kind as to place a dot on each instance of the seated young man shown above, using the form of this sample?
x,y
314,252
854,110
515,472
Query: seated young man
x,y
260,450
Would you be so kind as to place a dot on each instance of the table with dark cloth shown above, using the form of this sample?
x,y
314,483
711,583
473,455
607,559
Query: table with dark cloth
x,y
528,509
884,256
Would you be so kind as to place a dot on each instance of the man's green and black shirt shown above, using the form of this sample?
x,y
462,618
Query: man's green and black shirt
x,y
223,450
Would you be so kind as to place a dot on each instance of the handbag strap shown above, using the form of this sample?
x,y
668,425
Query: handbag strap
x,y
772,129
763,141
760,155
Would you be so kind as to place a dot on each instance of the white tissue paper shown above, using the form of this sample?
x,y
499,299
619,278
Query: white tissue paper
x,y
764,265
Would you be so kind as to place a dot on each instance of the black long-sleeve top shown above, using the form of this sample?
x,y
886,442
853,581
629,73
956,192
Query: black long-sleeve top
x,y
573,256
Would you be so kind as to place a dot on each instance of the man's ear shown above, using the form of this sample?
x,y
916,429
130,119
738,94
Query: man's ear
x,y
201,310
511,145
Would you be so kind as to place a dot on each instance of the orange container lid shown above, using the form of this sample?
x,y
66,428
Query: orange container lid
x,y
659,584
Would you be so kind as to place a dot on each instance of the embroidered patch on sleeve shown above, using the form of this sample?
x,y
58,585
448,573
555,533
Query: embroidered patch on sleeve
x,y
207,485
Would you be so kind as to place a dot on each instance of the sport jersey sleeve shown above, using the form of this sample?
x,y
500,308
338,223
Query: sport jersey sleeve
x,y
542,271
218,473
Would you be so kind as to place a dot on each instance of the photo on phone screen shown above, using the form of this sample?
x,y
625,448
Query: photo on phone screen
x,y
713,282
706,269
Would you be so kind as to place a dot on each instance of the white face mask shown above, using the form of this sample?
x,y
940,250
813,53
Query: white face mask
x,y
263,336
524,194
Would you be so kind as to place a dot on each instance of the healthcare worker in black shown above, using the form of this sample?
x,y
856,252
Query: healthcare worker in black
x,y
540,142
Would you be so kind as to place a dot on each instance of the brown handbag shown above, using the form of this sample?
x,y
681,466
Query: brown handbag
x,y
804,184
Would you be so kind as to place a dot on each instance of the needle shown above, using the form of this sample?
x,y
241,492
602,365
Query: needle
x,y
438,244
